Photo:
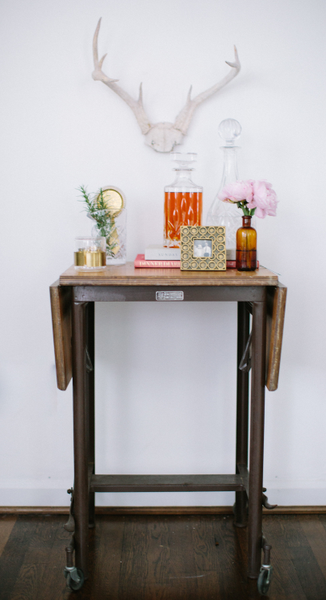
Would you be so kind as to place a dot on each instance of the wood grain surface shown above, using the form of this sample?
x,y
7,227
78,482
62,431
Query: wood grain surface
x,y
6,524
61,299
276,301
171,557
128,275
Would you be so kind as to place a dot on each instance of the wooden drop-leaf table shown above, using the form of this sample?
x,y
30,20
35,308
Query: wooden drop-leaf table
x,y
257,293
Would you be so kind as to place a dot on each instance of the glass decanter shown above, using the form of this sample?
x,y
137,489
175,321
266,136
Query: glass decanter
x,y
224,213
183,200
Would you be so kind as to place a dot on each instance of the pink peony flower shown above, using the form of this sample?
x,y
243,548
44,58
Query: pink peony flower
x,y
237,191
256,197
264,199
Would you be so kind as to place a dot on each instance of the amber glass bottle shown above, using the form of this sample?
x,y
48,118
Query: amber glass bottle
x,y
246,246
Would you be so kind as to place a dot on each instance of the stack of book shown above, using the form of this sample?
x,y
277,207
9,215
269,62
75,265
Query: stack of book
x,y
158,257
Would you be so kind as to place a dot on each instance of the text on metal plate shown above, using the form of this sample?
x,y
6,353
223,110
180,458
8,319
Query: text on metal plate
x,y
169,296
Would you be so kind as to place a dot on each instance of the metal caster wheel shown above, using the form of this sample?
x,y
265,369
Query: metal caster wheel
x,y
75,578
264,580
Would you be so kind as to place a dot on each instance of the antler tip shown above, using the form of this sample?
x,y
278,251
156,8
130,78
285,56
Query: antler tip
x,y
100,64
236,64
98,26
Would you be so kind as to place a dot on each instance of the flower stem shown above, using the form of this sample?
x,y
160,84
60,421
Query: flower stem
x,y
248,212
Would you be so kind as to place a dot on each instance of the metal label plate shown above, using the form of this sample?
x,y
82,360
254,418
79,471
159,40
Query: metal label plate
x,y
169,296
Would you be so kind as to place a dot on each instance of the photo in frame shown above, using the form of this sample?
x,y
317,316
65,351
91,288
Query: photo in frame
x,y
203,248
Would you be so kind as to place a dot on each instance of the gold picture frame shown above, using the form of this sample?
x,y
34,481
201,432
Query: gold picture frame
x,y
203,248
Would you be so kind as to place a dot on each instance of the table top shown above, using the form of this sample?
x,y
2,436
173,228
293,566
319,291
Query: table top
x,y
129,276
135,285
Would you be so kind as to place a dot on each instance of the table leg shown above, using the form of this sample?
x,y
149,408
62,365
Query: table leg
x,y
242,414
80,436
256,438
90,376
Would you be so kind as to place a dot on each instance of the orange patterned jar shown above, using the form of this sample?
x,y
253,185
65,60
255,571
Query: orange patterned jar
x,y
182,202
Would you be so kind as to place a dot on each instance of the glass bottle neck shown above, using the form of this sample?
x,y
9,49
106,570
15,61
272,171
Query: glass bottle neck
x,y
246,221
183,174
230,169
183,181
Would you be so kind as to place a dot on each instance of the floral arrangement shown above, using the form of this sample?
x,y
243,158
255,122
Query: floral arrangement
x,y
98,211
253,197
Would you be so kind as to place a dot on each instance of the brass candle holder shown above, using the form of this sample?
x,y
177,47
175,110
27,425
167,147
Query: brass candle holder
x,y
90,254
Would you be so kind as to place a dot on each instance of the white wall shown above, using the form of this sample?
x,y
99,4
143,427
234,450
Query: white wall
x,y
159,409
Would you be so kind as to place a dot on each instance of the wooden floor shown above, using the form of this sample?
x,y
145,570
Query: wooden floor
x,y
150,557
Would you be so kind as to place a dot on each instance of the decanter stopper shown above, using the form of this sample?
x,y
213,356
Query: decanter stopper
x,y
229,130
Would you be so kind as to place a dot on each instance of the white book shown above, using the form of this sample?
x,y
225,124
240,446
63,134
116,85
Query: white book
x,y
157,252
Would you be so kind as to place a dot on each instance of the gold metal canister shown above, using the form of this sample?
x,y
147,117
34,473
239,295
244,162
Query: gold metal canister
x,y
90,258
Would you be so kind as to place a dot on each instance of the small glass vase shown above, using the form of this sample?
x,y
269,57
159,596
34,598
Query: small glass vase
x,y
246,246
116,237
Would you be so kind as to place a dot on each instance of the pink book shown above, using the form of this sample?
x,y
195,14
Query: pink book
x,y
141,263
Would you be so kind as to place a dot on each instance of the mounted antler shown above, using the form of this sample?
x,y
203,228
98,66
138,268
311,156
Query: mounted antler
x,y
162,137
136,106
183,119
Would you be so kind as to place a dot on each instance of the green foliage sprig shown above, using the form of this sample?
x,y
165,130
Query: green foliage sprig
x,y
99,212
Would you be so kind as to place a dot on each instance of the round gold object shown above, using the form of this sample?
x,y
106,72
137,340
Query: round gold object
x,y
113,199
